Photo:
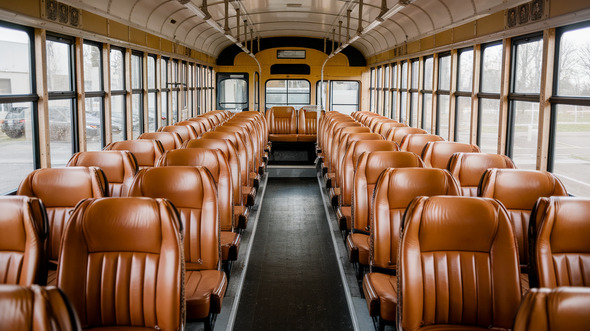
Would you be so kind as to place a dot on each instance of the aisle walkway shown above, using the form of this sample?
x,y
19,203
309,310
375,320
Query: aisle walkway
x,y
292,281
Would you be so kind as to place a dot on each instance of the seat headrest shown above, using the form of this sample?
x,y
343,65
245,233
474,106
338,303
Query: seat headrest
x,y
282,111
20,214
113,163
457,223
469,167
146,151
376,162
109,224
415,142
212,159
364,136
169,140
362,146
181,130
208,143
64,187
519,188
404,184
436,154
183,185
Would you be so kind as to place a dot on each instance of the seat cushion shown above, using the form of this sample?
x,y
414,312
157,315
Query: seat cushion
x,y
357,245
381,294
288,137
230,244
248,195
204,291
307,137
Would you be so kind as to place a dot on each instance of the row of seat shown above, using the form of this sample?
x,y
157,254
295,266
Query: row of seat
x,y
370,168
197,182
287,124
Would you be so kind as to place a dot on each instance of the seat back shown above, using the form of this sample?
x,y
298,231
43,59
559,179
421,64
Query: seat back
x,y
519,190
282,120
349,164
394,190
36,308
342,158
169,140
243,144
339,136
436,154
230,153
23,229
415,142
61,189
468,168
204,122
559,245
192,192
118,166
182,131
197,128
384,127
146,152
217,164
564,308
307,125
397,134
369,167
113,279
458,264
236,142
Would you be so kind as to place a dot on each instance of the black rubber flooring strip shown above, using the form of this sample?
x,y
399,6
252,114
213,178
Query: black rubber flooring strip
x,y
293,281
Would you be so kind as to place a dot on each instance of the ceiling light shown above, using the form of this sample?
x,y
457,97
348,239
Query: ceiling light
x,y
397,7
195,9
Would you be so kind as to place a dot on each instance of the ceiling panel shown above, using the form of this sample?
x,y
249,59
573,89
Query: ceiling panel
x,y
306,18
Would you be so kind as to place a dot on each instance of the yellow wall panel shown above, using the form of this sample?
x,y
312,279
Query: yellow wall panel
x,y
137,36
153,41
490,24
414,46
427,43
557,8
25,7
118,31
443,38
94,23
166,45
464,32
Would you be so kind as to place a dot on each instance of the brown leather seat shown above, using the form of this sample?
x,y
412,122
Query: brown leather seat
x,y
119,167
245,145
415,143
348,167
204,122
518,190
197,128
241,211
397,134
564,308
458,266
121,264
394,190
341,134
146,152
436,154
248,190
307,125
384,127
282,123
36,308
250,133
182,131
559,242
217,164
468,168
169,140
61,189
369,168
23,229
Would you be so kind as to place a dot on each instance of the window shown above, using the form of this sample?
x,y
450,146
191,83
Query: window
x,y
17,118
137,94
394,91
378,91
232,91
94,95
372,90
569,149
489,98
404,92
152,107
321,96
386,94
524,101
414,93
287,92
427,95
62,97
444,85
344,96
118,105
463,96
165,90
174,90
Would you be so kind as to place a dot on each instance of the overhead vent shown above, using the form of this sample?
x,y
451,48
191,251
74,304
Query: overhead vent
x,y
289,69
294,5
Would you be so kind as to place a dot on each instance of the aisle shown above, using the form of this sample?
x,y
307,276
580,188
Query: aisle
x,y
292,281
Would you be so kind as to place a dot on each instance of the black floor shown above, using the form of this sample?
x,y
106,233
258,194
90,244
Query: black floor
x,y
293,281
